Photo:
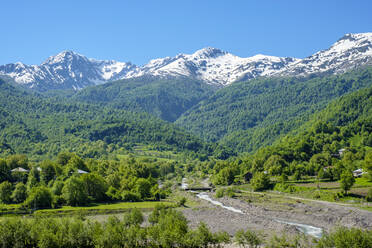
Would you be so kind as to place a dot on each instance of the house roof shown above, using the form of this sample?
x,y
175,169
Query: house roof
x,y
19,169
81,171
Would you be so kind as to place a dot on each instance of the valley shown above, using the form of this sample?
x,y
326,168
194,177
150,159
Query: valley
x,y
198,150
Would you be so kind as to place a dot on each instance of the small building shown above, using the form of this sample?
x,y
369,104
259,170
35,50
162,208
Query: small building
x,y
327,168
81,171
341,151
358,173
19,169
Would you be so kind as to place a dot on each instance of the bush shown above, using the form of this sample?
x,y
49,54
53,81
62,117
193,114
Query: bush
x,y
369,195
230,192
260,181
285,187
182,202
134,217
220,193
247,238
129,196
344,237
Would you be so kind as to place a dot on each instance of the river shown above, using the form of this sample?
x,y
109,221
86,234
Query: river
x,y
307,229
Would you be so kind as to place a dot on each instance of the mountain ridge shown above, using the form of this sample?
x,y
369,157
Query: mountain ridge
x,y
70,70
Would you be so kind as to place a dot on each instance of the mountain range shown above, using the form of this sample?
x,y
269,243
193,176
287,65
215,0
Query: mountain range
x,y
70,70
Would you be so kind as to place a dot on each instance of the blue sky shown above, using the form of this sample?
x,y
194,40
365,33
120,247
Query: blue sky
x,y
138,31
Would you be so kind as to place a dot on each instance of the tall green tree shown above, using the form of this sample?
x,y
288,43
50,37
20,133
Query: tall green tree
x,y
20,193
95,186
6,192
74,192
347,180
39,197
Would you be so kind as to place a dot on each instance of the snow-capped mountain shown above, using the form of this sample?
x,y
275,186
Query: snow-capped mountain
x,y
69,70
349,52
66,70
214,66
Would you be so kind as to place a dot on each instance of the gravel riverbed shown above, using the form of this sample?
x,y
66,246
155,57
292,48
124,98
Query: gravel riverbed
x,y
269,220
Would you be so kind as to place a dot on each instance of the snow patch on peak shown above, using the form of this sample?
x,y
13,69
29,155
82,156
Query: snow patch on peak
x,y
208,52
258,57
64,57
213,66
349,52
69,69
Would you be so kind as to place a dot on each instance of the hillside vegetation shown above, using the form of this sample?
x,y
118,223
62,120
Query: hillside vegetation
x,y
333,143
163,98
250,115
40,127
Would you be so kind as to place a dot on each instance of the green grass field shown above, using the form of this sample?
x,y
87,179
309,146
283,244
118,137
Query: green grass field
x,y
112,207
95,208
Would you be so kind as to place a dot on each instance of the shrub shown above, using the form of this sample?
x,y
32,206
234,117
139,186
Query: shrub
x,y
369,195
260,181
247,238
182,202
344,237
220,193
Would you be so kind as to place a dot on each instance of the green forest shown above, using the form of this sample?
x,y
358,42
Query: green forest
x,y
250,115
41,127
126,144
167,99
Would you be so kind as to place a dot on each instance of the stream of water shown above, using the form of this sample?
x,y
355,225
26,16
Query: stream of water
x,y
316,232
206,197
307,229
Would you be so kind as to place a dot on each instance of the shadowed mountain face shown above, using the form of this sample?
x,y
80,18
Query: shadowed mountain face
x,y
167,98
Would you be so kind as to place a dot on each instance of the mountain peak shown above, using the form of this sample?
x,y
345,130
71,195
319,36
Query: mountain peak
x,y
210,65
349,52
66,55
356,36
209,52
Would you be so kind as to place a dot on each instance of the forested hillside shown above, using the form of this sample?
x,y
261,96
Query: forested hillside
x,y
40,127
335,140
163,98
249,115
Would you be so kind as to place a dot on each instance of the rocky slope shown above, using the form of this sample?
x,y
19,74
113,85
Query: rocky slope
x,y
69,70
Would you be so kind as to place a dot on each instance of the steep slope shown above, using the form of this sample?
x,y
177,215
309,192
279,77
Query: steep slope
x,y
248,115
67,70
41,128
164,98
346,123
213,66
349,52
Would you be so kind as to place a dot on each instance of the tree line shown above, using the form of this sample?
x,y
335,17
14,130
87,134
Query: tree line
x,y
71,180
